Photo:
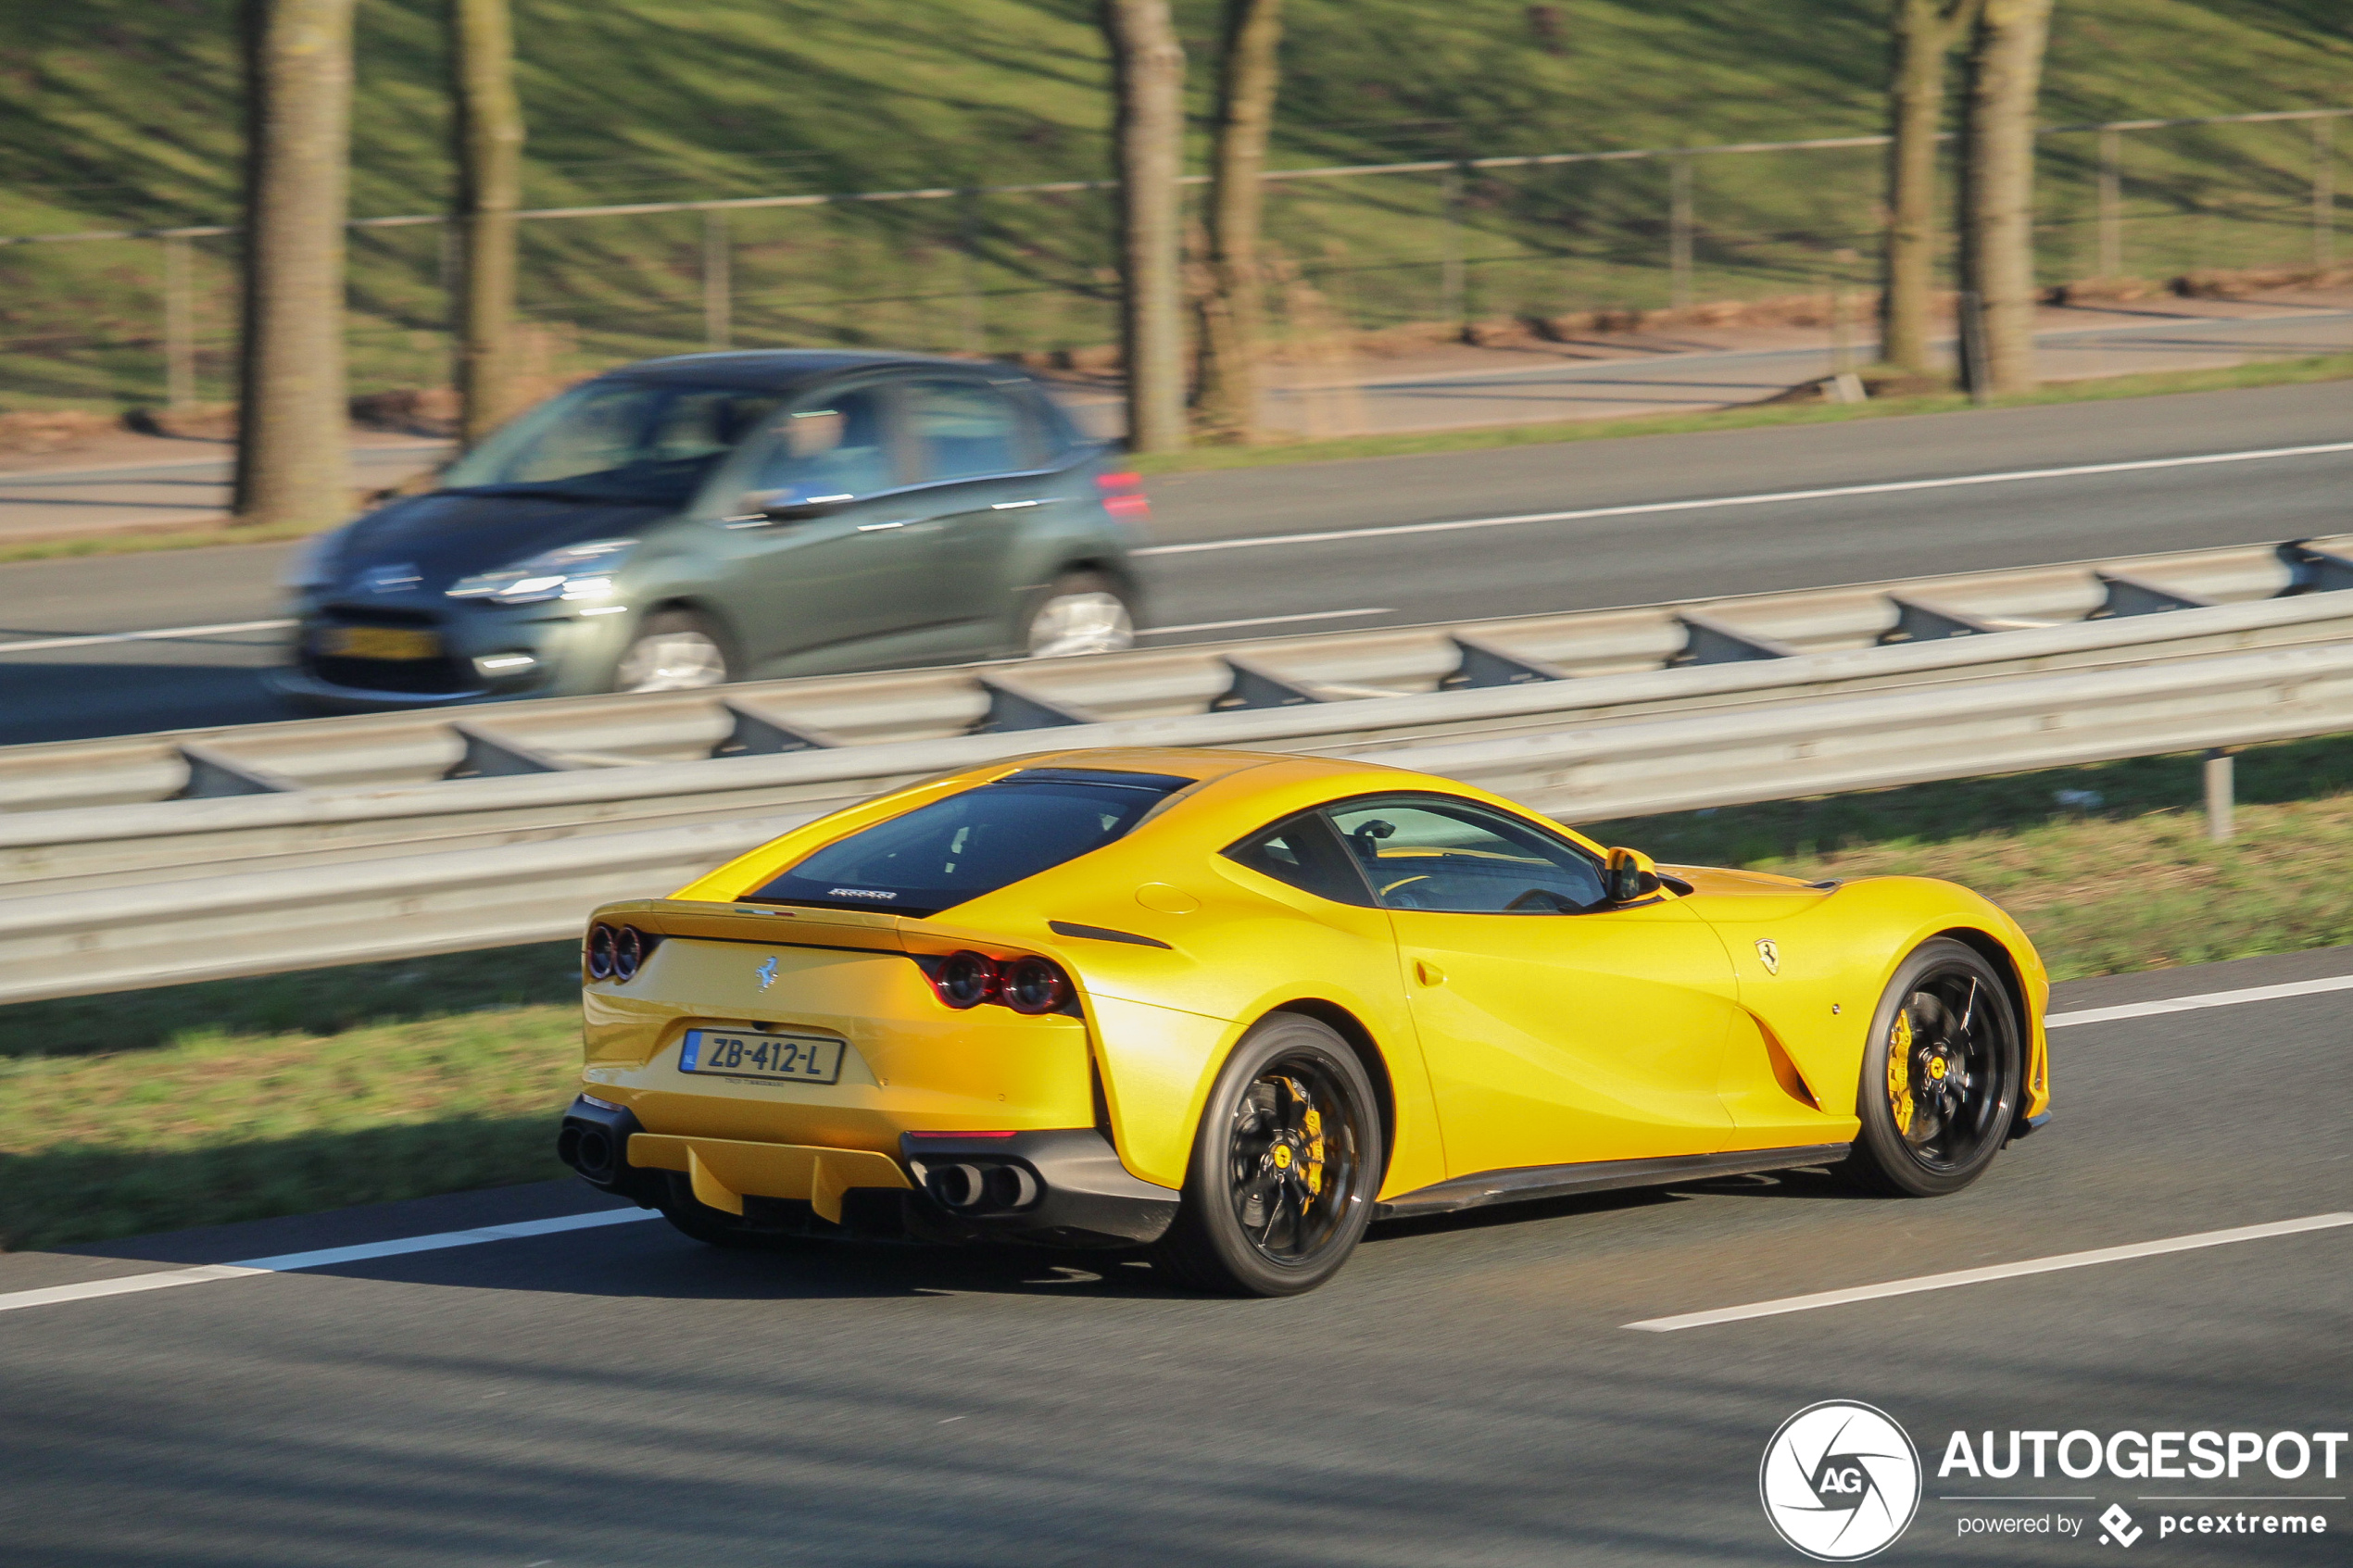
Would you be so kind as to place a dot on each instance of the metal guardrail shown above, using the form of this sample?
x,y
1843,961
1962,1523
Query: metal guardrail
x,y
92,939
1558,655
174,841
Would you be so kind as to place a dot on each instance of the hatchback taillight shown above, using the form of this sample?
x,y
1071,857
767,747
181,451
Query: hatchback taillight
x,y
1123,496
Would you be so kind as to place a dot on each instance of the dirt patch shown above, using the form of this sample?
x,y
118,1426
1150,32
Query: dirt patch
x,y
54,430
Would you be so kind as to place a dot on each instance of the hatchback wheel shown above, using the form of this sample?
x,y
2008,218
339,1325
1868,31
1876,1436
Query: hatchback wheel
x,y
1940,1075
1284,1167
673,652
1082,612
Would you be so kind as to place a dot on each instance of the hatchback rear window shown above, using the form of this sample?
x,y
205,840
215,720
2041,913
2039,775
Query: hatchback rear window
x,y
967,844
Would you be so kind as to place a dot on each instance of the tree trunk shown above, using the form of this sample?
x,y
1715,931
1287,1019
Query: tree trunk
x,y
1231,317
1148,69
489,130
1921,36
294,416
1997,235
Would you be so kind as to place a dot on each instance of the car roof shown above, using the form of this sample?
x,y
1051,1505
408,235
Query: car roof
x,y
768,369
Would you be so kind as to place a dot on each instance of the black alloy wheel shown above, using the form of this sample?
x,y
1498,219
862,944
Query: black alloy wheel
x,y
1939,1089
1284,1168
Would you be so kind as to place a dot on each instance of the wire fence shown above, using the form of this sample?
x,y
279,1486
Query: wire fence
x,y
142,316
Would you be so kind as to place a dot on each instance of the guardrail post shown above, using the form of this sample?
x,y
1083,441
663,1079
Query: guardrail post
x,y
2111,199
1679,231
2323,195
2219,795
178,325
717,302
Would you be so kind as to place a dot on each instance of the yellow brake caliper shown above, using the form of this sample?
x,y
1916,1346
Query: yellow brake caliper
x,y
1315,1151
1899,1072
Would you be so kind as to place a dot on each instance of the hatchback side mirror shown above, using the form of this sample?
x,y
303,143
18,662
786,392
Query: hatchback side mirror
x,y
1632,875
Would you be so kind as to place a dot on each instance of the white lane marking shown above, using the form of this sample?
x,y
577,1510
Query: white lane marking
x,y
324,1258
54,1294
328,1257
1770,497
2192,1004
1265,620
1997,1270
95,638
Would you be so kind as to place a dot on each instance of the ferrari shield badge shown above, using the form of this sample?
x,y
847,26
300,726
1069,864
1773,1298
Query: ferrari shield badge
x,y
1768,952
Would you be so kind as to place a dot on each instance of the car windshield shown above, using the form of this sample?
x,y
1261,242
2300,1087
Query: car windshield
x,y
972,842
616,438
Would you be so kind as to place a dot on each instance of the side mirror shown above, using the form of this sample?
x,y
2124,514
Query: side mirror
x,y
1632,875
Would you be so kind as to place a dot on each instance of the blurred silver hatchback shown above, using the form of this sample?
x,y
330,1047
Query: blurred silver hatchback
x,y
723,516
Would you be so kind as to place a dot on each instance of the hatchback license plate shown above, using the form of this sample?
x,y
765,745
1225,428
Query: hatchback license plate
x,y
379,642
789,1058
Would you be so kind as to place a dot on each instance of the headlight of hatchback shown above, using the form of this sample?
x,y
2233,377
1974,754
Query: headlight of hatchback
x,y
313,565
575,572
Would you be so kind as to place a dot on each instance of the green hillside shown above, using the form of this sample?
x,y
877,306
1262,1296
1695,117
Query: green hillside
x,y
123,112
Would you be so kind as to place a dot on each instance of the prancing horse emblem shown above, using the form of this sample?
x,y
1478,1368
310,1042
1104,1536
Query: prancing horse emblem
x,y
1767,950
767,973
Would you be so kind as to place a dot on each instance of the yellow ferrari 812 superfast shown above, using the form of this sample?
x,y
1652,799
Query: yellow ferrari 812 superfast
x,y
1231,1007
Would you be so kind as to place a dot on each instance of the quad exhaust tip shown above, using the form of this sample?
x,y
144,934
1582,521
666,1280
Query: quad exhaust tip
x,y
966,1188
589,1150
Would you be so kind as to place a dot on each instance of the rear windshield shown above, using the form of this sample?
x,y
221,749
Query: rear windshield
x,y
938,855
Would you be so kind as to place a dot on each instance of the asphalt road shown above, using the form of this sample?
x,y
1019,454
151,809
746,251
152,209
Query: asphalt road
x,y
1681,383
47,501
1224,562
1465,1392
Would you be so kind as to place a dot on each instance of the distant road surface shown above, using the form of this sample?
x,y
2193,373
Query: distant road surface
x,y
1227,557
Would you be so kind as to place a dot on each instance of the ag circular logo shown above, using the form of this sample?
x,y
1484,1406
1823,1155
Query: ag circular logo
x,y
1840,1481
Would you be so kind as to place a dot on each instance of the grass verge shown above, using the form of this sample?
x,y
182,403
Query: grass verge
x,y
240,1099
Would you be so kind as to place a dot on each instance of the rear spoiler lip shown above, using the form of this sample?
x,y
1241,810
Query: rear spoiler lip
x,y
756,923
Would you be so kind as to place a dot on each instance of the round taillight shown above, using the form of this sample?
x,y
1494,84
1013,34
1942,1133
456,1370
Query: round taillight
x,y
628,953
1035,985
966,980
600,952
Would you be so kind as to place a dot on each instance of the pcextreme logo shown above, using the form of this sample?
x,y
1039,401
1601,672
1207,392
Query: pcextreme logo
x,y
1840,1481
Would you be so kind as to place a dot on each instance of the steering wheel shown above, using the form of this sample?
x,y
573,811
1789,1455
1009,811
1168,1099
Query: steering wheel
x,y
1539,898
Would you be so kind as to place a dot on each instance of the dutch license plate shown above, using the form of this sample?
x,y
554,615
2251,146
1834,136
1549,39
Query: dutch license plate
x,y
791,1059
379,642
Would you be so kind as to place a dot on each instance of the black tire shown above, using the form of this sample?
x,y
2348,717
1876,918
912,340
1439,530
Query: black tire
x,y
641,667
1046,628
1284,1168
1939,1077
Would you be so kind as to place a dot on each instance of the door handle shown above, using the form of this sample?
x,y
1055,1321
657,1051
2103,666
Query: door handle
x,y
1428,973
1016,505
879,527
